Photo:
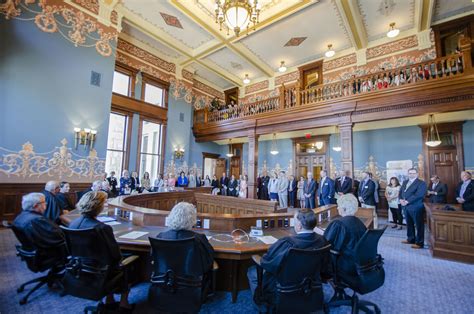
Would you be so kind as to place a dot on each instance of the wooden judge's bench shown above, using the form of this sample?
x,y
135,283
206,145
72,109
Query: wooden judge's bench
x,y
218,216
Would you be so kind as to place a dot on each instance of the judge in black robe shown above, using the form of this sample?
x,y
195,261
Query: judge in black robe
x,y
306,238
343,233
181,220
91,205
36,232
53,209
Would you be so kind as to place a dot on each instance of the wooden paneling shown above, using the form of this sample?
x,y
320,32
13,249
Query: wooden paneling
x,y
144,109
11,194
217,204
451,233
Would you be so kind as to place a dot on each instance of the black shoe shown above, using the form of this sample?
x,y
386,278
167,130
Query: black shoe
x,y
394,226
127,310
112,306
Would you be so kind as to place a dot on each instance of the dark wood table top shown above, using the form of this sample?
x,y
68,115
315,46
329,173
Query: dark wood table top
x,y
221,242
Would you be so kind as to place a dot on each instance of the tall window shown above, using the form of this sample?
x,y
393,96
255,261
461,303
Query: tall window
x,y
154,95
116,143
151,148
121,83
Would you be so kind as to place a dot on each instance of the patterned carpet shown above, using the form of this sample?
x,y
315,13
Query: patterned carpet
x,y
415,282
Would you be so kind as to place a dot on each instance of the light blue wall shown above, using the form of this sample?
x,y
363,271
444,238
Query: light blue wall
x,y
45,89
404,143
285,149
468,142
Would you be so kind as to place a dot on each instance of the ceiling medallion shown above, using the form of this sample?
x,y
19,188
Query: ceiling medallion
x,y
237,14
295,41
171,20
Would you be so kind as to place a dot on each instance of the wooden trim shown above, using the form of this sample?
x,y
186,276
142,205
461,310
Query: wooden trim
x,y
125,69
128,134
467,21
147,79
129,104
208,155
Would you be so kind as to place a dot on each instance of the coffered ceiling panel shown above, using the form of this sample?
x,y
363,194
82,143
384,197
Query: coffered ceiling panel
x,y
233,63
446,8
170,20
378,14
137,35
300,38
201,72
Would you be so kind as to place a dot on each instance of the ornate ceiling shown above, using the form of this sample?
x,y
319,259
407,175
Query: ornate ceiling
x,y
184,32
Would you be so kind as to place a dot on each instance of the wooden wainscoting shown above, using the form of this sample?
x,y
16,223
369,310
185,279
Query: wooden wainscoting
x,y
11,194
217,204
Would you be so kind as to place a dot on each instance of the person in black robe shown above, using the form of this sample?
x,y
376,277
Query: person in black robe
x,y
113,183
91,205
306,238
53,210
65,202
36,232
265,182
259,187
181,220
343,233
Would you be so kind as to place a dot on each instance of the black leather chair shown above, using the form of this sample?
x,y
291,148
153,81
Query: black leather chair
x,y
298,289
89,273
178,283
370,274
38,260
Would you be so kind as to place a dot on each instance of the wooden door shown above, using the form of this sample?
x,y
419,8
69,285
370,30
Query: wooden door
x,y
220,167
235,166
443,162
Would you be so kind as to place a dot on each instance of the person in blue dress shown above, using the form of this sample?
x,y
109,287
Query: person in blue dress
x,y
182,180
125,183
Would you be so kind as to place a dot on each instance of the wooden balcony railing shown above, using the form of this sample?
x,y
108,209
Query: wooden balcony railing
x,y
442,68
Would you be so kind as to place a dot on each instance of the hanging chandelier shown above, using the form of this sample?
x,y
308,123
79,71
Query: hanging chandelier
x,y
237,14
274,150
432,135
337,141
229,153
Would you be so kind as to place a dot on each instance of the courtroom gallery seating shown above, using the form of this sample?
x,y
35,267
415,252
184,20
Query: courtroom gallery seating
x,y
89,274
370,273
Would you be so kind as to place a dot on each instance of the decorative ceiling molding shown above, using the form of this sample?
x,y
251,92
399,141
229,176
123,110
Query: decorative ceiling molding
x,y
285,78
256,87
353,23
424,10
340,62
146,56
295,41
171,20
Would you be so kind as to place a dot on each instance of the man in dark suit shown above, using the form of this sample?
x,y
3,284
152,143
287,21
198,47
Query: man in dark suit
x,y
344,184
113,183
224,181
53,210
366,195
265,181
412,194
232,188
38,232
305,238
292,191
310,186
326,190
465,192
437,191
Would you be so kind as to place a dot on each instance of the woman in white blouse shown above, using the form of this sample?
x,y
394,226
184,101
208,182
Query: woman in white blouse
x,y
273,187
392,191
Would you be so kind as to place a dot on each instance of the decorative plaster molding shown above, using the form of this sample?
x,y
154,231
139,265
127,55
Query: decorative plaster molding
x,y
187,75
424,39
57,16
207,89
27,166
340,62
256,87
285,78
391,47
90,5
146,56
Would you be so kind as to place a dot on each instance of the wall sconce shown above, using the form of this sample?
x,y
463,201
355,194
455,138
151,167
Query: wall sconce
x,y
178,153
85,137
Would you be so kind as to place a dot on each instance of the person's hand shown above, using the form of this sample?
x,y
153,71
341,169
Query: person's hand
x,y
361,199
460,200
340,193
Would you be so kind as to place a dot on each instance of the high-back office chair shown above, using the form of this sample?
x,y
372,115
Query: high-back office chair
x,y
88,272
370,274
178,283
298,289
38,260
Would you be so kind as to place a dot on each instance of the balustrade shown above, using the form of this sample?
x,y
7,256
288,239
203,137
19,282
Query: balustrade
x,y
427,71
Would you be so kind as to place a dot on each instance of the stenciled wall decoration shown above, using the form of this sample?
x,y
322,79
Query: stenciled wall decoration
x,y
62,164
53,16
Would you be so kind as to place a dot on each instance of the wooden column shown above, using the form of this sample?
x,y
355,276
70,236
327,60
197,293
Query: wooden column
x,y
346,144
252,164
